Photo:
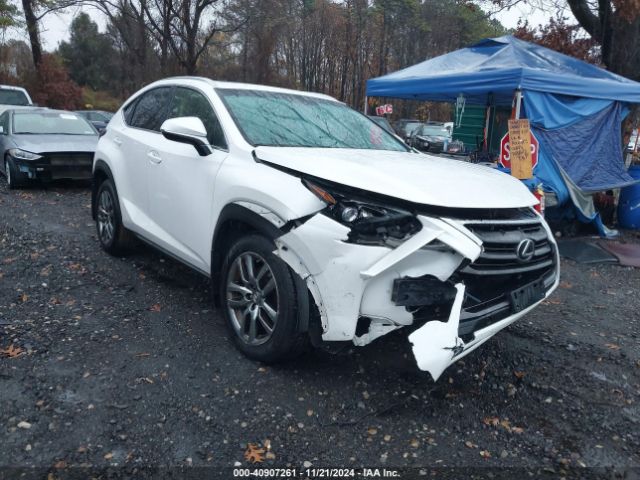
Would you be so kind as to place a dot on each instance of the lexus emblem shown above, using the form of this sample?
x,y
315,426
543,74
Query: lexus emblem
x,y
525,250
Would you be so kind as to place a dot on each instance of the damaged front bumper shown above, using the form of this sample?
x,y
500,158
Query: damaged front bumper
x,y
456,278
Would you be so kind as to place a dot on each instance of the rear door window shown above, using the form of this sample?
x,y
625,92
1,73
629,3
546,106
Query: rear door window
x,y
151,109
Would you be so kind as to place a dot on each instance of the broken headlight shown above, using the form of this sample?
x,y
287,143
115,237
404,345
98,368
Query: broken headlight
x,y
370,223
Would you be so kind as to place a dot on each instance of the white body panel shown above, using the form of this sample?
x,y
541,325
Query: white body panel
x,y
173,197
415,177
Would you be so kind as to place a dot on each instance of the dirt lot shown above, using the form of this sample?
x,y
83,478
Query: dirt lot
x,y
127,363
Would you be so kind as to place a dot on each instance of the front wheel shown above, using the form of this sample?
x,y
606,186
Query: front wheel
x,y
14,177
258,299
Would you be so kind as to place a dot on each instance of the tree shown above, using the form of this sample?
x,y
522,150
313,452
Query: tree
x,y
88,54
31,22
34,11
8,14
562,37
615,26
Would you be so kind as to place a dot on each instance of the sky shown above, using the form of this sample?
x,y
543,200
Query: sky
x,y
55,28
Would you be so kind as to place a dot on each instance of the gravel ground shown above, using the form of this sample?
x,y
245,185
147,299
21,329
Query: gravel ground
x,y
125,362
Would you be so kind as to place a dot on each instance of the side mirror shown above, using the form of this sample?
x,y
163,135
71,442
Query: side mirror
x,y
188,130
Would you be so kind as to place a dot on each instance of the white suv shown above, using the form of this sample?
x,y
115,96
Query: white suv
x,y
317,225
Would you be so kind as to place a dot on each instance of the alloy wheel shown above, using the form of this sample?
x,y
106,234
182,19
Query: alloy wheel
x,y
106,217
252,298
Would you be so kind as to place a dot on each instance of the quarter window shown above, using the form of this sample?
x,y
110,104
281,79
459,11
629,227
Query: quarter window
x,y
151,109
189,103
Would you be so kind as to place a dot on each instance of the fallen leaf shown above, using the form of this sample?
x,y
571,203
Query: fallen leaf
x,y
552,301
612,346
491,421
469,444
517,430
108,456
143,354
155,308
519,375
414,443
24,297
372,431
254,453
565,285
12,351
76,267
60,465
485,453
24,425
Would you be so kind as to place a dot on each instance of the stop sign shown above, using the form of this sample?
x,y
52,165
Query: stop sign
x,y
505,154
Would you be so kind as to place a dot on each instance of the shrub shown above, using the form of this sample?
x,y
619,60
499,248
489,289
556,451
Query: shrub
x,y
53,88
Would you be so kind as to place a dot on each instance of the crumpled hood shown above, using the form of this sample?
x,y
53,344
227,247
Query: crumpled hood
x,y
414,177
56,143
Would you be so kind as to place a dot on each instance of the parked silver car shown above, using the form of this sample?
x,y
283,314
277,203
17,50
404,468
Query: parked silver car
x,y
43,144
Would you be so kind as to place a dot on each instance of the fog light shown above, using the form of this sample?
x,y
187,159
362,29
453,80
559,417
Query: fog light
x,y
349,214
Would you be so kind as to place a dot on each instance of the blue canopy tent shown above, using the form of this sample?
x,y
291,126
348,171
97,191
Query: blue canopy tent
x,y
575,108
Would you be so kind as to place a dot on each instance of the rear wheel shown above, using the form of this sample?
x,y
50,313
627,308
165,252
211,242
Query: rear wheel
x,y
114,238
259,303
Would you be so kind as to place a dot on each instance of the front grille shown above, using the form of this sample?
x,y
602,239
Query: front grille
x,y
70,159
71,165
498,271
500,242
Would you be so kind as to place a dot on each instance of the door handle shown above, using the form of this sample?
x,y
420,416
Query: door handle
x,y
117,141
154,157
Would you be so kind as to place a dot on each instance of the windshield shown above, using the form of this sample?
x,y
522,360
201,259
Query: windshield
x,y
290,120
51,123
436,131
13,97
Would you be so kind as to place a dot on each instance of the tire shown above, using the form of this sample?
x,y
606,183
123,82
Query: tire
x,y
114,238
253,303
14,178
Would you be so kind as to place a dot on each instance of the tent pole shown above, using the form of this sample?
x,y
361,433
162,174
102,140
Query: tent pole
x,y
518,103
366,104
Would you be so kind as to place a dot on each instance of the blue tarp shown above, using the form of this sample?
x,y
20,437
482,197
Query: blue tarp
x,y
582,137
498,66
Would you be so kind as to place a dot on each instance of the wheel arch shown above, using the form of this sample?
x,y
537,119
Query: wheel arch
x,y
101,172
236,220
